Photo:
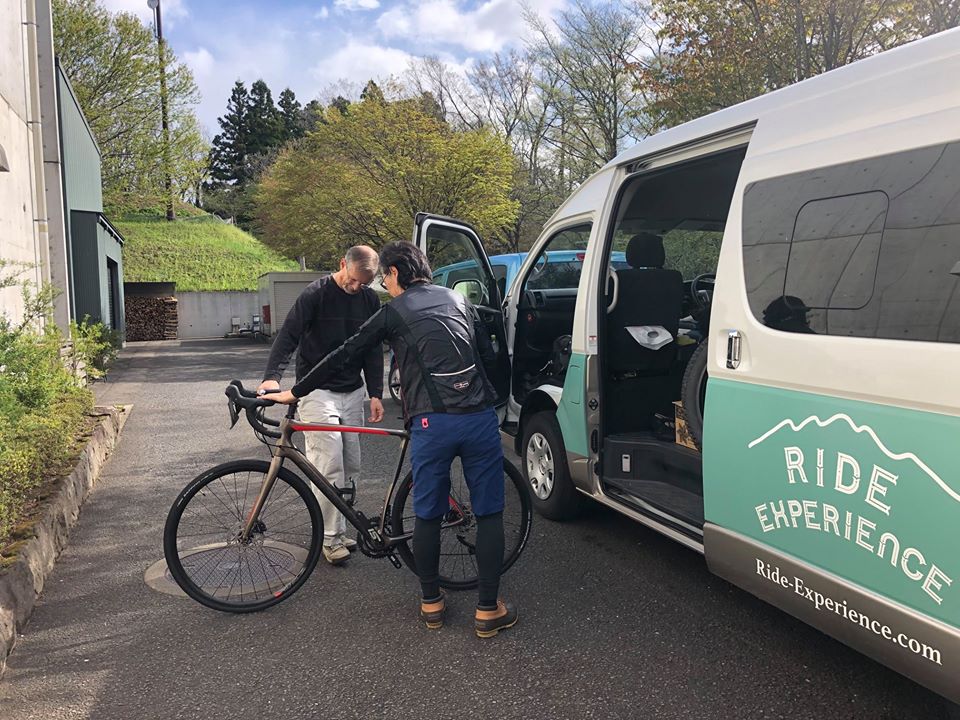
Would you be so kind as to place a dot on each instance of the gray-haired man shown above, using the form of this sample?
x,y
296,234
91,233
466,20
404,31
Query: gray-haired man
x,y
328,312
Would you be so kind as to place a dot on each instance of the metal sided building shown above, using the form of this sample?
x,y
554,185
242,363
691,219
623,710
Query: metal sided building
x,y
95,246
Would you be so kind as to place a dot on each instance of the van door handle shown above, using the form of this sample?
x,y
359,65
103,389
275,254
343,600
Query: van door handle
x,y
734,347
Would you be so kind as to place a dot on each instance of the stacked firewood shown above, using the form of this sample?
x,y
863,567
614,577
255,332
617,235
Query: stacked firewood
x,y
151,318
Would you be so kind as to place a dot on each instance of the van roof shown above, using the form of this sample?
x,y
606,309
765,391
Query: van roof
x,y
941,46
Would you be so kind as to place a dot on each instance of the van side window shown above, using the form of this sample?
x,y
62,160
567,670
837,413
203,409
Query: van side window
x,y
863,249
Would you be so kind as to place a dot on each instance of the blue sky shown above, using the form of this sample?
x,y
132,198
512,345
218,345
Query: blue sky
x,y
310,45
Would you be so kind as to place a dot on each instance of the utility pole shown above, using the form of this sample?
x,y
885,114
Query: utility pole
x,y
167,182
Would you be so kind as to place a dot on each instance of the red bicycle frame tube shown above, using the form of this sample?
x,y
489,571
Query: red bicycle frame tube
x,y
319,427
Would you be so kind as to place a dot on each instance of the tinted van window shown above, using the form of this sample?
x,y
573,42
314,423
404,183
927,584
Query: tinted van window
x,y
864,249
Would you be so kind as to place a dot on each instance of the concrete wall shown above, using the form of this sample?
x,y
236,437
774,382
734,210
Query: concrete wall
x,y
208,314
53,165
19,236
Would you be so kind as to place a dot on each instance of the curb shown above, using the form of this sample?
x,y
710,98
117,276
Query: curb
x,y
23,581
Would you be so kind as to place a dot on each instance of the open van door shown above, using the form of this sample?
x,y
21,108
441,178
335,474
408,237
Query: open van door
x,y
454,245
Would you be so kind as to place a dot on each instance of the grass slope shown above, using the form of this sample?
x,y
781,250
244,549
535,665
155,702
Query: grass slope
x,y
197,253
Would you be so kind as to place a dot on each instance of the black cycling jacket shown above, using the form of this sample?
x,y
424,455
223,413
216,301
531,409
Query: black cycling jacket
x,y
442,349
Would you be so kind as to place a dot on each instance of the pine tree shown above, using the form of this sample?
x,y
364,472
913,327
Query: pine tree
x,y
341,104
291,115
372,92
228,156
264,121
312,115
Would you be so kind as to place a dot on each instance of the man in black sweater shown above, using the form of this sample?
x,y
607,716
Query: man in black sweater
x,y
329,311
446,358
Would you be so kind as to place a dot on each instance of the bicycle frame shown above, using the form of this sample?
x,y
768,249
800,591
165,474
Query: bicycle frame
x,y
377,537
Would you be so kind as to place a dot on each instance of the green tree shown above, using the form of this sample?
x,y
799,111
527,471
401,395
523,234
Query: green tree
x,y
341,104
587,59
228,156
292,116
112,63
264,123
312,115
372,92
362,176
716,53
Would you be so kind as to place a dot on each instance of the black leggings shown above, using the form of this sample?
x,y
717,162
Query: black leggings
x,y
426,553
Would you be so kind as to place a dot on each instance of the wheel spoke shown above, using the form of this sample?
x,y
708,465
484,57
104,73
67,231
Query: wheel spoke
x,y
217,569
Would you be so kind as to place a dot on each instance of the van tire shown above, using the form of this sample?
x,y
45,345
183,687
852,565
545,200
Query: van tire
x,y
545,471
692,395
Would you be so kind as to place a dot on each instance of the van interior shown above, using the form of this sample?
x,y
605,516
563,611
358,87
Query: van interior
x,y
652,344
658,280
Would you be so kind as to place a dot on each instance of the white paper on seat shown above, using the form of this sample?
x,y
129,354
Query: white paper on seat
x,y
652,337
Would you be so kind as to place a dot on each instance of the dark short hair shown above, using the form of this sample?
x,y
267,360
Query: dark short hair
x,y
410,262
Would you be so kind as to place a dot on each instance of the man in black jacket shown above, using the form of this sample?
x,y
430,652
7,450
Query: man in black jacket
x,y
328,312
444,355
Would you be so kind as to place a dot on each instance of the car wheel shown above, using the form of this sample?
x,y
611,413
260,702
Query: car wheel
x,y
545,469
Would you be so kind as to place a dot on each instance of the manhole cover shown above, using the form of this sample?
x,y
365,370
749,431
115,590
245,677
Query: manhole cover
x,y
222,568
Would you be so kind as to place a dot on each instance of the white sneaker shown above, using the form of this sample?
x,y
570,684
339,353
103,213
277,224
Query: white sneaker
x,y
335,552
348,542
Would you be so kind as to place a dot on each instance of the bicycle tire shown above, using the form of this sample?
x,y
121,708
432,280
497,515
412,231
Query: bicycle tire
x,y
293,554
512,549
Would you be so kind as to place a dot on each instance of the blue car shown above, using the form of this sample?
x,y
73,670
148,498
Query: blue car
x,y
559,263
505,268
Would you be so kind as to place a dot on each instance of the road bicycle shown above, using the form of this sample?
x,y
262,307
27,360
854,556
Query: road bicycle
x,y
245,535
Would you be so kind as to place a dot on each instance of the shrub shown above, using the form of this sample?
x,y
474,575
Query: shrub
x,y
43,404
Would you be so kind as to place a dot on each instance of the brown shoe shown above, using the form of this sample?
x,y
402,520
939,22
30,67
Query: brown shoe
x,y
489,622
432,613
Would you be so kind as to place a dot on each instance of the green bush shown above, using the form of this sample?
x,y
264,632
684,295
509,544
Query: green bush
x,y
95,345
42,402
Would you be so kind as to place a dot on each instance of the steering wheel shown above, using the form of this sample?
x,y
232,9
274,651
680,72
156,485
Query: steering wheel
x,y
697,292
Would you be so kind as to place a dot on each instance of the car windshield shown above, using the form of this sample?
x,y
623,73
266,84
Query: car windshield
x,y
563,272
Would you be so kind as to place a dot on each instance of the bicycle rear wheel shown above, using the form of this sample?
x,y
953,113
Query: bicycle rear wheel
x,y
201,538
458,534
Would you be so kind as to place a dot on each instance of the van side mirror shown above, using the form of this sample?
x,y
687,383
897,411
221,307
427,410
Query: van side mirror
x,y
472,290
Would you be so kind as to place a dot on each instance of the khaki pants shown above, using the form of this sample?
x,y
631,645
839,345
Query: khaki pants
x,y
336,455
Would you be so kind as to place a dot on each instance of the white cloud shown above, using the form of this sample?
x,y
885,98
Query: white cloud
x,y
170,10
357,4
322,14
272,53
359,62
491,26
200,61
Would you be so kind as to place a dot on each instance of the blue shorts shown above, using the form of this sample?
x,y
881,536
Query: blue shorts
x,y
435,440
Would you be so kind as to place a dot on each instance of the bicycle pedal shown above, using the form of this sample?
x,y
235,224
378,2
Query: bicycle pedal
x,y
348,493
395,560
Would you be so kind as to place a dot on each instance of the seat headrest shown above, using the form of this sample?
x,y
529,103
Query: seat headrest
x,y
645,250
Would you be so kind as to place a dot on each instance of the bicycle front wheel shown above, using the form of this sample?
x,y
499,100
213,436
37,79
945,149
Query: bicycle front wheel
x,y
203,549
458,533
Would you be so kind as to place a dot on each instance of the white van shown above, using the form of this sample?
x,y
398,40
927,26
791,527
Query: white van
x,y
802,251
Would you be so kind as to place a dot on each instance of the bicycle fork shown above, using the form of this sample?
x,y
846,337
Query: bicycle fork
x,y
251,521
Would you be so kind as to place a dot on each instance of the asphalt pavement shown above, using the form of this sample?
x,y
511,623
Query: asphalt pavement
x,y
615,620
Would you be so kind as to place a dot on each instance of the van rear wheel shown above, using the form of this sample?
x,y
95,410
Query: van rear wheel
x,y
545,469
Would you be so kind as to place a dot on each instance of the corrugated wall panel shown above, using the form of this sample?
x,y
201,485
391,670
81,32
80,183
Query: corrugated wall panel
x,y
81,159
286,293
